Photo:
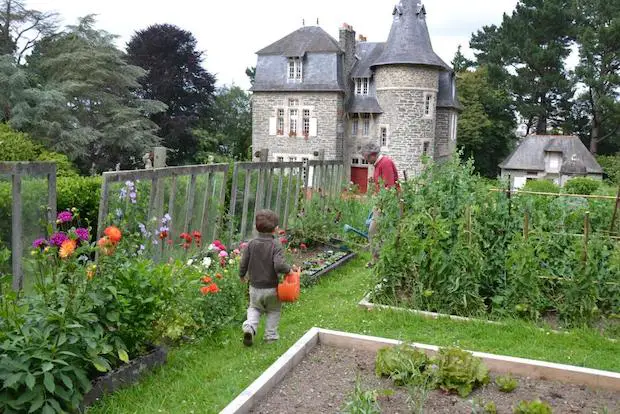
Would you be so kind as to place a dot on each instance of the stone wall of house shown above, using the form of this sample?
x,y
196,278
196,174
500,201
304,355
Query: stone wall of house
x,y
326,107
442,134
401,92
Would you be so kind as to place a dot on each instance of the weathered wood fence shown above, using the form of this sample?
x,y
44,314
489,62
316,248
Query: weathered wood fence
x,y
17,172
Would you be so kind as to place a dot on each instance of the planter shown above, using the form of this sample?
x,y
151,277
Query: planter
x,y
303,384
125,375
327,258
365,303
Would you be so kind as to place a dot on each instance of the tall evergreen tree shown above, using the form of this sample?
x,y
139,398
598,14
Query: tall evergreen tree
x,y
598,37
529,50
175,76
486,127
84,103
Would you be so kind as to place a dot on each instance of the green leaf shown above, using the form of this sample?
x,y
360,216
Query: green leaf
x,y
26,397
37,403
101,364
48,366
122,355
112,316
47,409
30,380
13,379
67,381
48,381
55,405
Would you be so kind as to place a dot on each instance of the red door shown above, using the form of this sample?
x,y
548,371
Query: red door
x,y
359,176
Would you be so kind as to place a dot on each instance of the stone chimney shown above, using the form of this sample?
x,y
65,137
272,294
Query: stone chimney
x,y
347,43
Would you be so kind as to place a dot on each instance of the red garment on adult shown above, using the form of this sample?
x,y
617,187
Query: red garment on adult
x,y
385,170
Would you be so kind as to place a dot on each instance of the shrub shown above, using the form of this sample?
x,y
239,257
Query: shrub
x,y
542,186
22,148
611,166
582,185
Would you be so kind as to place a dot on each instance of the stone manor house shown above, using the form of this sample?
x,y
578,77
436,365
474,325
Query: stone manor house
x,y
315,96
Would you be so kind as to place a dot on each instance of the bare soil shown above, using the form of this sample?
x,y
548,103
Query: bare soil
x,y
324,379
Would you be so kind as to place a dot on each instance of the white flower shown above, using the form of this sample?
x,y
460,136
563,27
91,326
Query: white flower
x,y
211,247
206,262
190,262
231,261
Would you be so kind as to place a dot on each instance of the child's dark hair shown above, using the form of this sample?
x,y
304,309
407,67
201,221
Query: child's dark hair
x,y
266,221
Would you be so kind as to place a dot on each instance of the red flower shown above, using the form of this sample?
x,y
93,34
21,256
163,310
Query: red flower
x,y
186,237
204,290
281,232
196,235
283,240
163,234
207,279
303,246
113,233
219,245
213,288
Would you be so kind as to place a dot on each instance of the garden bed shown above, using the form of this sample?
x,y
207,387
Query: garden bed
x,y
318,260
320,371
126,375
551,320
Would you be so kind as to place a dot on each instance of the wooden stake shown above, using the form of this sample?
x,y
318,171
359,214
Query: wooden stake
x,y
613,217
586,236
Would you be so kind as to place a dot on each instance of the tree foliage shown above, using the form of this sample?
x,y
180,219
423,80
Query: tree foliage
x,y
598,37
20,28
486,125
83,102
528,51
174,76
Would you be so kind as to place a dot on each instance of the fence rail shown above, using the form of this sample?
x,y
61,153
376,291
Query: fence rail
x,y
18,171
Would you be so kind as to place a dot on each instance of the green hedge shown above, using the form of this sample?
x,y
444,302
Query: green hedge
x,y
22,148
611,166
79,192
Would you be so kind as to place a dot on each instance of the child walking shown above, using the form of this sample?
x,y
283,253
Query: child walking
x,y
263,259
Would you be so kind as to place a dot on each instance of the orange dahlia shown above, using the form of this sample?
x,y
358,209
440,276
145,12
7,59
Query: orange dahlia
x,y
206,279
106,246
67,248
113,233
204,290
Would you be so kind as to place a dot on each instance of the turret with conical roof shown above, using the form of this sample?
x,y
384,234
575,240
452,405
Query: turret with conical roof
x,y
409,42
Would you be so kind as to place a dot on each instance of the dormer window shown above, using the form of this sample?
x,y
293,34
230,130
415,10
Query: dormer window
x,y
362,86
295,69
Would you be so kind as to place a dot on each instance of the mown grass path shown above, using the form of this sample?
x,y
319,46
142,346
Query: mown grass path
x,y
203,377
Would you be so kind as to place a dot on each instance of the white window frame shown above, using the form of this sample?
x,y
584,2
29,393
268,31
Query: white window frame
x,y
355,161
305,124
280,122
365,125
362,86
355,126
453,125
293,119
428,105
295,69
384,139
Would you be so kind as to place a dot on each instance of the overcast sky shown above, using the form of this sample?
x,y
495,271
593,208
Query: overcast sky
x,y
230,32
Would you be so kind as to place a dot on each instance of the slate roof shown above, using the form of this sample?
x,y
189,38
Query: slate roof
x,y
530,154
368,53
303,40
409,42
444,95
364,105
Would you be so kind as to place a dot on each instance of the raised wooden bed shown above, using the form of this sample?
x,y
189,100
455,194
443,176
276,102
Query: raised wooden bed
x,y
365,303
497,364
125,375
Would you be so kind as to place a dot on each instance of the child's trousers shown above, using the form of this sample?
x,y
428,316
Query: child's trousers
x,y
263,301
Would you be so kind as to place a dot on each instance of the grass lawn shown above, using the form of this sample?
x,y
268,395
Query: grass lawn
x,y
205,376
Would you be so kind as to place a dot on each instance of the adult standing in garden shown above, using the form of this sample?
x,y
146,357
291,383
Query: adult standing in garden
x,y
385,175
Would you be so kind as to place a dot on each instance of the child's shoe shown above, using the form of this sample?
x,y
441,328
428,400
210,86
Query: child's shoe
x,y
247,338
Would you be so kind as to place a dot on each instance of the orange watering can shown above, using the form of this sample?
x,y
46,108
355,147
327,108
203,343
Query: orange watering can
x,y
289,289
